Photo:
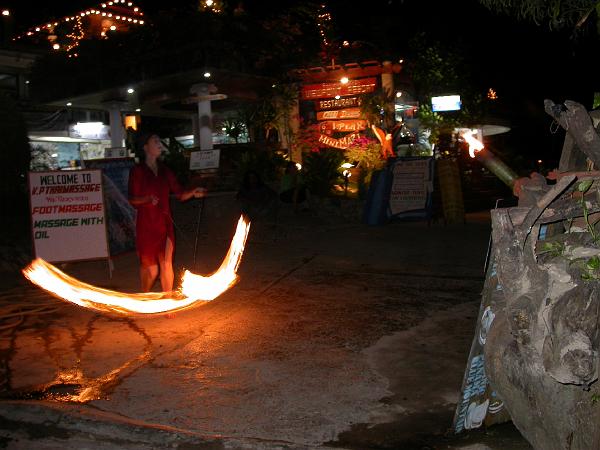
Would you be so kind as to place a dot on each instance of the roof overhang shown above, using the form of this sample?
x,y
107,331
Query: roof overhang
x,y
170,96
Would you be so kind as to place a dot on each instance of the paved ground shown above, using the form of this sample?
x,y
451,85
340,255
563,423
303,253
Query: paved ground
x,y
337,335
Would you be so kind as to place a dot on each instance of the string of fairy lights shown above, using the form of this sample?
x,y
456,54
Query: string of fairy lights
x,y
324,25
118,15
108,16
75,36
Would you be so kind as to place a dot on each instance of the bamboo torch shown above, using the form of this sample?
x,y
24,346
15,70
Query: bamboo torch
x,y
489,160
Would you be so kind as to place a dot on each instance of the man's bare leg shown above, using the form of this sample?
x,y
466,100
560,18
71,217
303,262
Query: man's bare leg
x,y
166,268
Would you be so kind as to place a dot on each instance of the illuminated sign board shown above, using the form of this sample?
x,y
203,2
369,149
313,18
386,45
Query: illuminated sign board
x,y
89,130
336,103
341,143
343,125
445,103
328,90
348,113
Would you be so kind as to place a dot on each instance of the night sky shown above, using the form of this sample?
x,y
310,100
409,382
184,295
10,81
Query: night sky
x,y
517,58
524,62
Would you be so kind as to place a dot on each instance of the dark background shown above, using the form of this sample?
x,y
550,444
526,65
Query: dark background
x,y
523,62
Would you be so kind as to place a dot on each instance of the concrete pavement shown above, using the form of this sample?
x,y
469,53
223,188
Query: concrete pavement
x,y
338,334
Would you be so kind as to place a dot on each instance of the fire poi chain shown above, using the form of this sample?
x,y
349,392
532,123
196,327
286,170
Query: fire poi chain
x,y
194,288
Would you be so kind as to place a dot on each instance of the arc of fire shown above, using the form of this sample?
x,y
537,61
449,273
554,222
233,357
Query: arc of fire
x,y
194,288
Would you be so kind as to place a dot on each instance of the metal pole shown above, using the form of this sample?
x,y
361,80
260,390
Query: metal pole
x,y
200,211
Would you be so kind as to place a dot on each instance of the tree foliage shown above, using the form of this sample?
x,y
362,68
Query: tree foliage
x,y
435,68
557,14
442,69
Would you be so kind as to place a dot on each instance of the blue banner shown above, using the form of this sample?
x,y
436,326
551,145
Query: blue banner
x,y
121,215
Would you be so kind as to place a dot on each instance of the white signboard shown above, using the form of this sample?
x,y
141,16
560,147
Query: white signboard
x,y
205,159
446,103
67,215
410,186
89,130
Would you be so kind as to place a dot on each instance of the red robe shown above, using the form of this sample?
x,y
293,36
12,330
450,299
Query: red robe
x,y
154,223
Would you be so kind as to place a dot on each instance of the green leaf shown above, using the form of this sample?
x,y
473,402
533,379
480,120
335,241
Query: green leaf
x,y
593,263
584,185
554,248
596,103
548,246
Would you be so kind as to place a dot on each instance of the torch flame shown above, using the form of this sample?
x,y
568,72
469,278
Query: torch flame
x,y
194,288
475,145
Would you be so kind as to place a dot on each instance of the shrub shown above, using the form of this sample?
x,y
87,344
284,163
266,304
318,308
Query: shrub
x,y
365,153
322,170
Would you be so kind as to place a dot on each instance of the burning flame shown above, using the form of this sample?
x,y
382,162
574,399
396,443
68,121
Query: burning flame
x,y
194,288
475,145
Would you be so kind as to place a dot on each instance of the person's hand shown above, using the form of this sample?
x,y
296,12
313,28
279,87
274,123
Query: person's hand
x,y
518,185
200,192
153,200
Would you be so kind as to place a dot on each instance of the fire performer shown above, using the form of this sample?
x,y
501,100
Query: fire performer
x,y
150,183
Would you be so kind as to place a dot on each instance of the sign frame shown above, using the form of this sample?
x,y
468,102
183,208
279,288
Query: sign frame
x,y
424,211
205,159
102,249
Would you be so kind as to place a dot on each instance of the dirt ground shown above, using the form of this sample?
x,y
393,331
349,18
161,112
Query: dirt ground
x,y
338,334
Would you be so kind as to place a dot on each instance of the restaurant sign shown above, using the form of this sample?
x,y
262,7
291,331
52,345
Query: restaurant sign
x,y
342,125
329,90
348,113
341,143
336,103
